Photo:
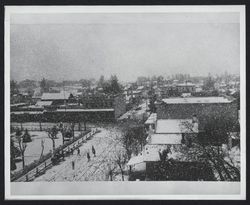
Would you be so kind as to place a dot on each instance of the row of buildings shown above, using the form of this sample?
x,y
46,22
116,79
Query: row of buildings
x,y
177,124
65,106
92,99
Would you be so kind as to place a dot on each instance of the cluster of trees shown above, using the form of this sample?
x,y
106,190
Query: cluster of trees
x,y
66,131
116,165
207,146
142,80
111,86
209,83
86,82
44,85
14,88
27,83
181,77
152,100
130,143
21,139
133,139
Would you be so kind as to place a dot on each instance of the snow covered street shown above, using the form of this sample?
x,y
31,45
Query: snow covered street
x,y
106,144
136,113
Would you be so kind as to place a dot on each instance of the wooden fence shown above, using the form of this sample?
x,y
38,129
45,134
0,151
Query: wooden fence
x,y
38,168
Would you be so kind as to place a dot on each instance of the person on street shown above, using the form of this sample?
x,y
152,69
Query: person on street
x,y
78,151
73,165
93,150
88,156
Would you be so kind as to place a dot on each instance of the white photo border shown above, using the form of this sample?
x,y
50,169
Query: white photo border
x,y
125,190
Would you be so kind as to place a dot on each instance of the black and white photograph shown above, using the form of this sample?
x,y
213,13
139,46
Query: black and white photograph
x,y
125,101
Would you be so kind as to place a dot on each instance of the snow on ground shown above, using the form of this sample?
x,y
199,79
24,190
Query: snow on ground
x,y
136,113
34,148
106,144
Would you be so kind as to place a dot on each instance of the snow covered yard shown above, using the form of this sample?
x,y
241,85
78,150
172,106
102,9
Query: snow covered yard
x,y
106,144
34,148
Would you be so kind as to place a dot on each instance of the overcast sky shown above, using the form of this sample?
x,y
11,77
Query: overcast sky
x,y
76,46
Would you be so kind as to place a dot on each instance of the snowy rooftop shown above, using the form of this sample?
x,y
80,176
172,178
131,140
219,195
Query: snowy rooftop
x,y
185,84
192,100
27,112
151,119
55,96
43,103
18,104
176,126
165,139
137,92
136,160
85,110
140,87
177,152
186,94
151,152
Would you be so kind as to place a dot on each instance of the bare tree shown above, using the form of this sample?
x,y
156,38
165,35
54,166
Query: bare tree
x,y
111,168
22,145
67,132
14,152
133,139
72,128
52,134
227,171
42,145
120,160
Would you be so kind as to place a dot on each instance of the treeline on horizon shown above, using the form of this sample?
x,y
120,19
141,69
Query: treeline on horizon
x,y
92,81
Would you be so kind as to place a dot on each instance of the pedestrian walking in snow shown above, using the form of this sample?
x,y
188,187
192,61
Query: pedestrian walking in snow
x,y
63,154
93,150
88,156
78,151
73,165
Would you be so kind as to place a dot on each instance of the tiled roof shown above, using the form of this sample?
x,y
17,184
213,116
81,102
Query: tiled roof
x,y
176,126
165,139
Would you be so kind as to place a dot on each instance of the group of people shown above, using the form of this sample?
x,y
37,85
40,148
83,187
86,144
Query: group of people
x,y
88,155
